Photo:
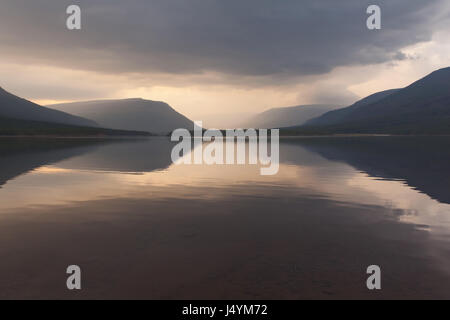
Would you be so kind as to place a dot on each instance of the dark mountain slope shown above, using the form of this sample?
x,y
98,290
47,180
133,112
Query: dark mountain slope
x,y
336,116
421,108
17,127
15,107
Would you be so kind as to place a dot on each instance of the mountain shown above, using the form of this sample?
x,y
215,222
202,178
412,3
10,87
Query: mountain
x,y
226,120
286,117
335,116
129,114
18,127
421,108
14,107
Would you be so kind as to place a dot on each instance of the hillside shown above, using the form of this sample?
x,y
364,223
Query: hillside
x,y
421,108
335,116
286,117
15,107
17,127
129,114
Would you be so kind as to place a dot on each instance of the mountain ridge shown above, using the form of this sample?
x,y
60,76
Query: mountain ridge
x,y
12,106
19,127
287,116
129,114
423,107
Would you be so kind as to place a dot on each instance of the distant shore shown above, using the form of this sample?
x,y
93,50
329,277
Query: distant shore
x,y
167,136
80,137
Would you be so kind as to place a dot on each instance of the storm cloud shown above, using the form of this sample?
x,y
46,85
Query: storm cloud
x,y
256,38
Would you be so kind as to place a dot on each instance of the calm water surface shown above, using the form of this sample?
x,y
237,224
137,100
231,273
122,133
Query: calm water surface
x,y
141,227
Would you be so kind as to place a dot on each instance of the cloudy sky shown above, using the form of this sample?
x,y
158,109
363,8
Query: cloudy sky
x,y
207,57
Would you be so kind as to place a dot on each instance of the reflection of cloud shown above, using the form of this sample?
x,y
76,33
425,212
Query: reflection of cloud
x,y
342,182
401,196
52,170
324,179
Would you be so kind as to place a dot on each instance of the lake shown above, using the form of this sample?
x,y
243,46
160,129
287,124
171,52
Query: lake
x,y
141,227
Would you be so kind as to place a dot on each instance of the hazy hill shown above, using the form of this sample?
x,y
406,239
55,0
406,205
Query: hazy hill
x,y
421,108
335,116
286,117
14,107
129,114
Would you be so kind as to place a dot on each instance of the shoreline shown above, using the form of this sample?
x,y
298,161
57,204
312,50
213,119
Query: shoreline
x,y
77,137
166,136
364,135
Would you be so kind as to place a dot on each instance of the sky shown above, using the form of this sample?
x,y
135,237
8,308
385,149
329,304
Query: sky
x,y
216,60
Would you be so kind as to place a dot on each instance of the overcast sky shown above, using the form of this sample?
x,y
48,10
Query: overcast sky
x,y
209,56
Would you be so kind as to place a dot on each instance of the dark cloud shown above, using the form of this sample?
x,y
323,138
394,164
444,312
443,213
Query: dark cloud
x,y
235,37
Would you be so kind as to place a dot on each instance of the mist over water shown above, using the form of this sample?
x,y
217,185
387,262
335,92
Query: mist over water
x,y
142,227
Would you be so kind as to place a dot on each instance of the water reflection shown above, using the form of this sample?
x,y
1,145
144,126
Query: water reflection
x,y
19,156
408,175
335,202
421,162
137,156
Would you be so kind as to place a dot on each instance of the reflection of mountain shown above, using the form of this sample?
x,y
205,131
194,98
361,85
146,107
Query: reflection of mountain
x,y
422,162
129,156
18,156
